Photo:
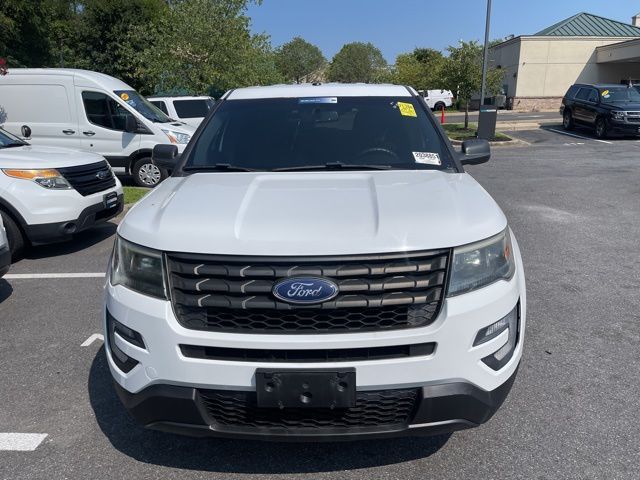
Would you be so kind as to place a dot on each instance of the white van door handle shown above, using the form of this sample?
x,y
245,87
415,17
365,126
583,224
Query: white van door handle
x,y
89,133
68,132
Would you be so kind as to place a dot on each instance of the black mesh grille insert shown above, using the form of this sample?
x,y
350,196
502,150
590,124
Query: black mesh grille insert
x,y
239,410
379,292
89,179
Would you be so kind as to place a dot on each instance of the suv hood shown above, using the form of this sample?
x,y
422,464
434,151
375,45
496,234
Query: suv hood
x,y
313,213
31,156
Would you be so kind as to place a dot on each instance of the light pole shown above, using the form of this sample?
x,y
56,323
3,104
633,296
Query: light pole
x,y
486,53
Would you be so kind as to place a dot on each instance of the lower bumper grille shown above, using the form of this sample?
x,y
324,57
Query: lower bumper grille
x,y
384,409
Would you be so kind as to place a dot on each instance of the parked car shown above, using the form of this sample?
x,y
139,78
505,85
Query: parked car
x,y
5,253
608,109
190,110
90,111
49,193
356,282
437,99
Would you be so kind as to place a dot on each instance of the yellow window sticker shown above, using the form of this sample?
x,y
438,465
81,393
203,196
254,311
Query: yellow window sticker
x,y
124,96
605,93
407,110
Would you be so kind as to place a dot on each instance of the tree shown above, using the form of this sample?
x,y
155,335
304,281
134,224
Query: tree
x,y
357,62
463,73
421,69
24,27
298,58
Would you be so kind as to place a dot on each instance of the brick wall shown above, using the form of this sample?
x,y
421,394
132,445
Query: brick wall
x,y
536,104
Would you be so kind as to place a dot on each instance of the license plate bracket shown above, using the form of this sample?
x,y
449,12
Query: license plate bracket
x,y
306,388
110,199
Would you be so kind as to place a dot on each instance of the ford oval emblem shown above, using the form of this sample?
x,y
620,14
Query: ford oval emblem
x,y
305,290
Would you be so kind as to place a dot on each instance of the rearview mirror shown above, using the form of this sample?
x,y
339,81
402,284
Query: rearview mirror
x,y
165,156
130,124
475,152
26,131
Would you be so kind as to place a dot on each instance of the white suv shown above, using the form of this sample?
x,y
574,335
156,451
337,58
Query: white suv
x,y
319,265
47,194
190,110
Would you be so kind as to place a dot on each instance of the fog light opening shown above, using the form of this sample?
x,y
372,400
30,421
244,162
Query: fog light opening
x,y
124,362
501,357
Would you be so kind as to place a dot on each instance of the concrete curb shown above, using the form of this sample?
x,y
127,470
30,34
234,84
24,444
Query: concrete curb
x,y
514,142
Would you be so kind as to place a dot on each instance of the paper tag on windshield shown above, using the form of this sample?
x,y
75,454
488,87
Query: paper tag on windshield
x,y
407,110
428,158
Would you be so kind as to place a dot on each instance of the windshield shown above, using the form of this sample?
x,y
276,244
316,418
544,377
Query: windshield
x,y
316,133
620,94
143,106
8,140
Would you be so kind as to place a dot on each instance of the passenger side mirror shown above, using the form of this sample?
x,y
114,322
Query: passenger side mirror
x,y
165,156
130,124
26,131
475,152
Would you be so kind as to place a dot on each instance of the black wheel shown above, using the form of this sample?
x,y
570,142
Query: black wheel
x,y
146,174
438,106
567,120
14,236
602,130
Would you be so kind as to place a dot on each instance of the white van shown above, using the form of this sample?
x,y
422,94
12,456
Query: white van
x,y
190,110
89,111
436,99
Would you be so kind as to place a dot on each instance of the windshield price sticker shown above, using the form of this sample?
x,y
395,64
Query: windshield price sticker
x,y
427,158
605,93
407,110
303,101
124,96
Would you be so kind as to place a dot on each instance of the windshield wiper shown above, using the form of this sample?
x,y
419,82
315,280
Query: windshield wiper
x,y
219,167
333,166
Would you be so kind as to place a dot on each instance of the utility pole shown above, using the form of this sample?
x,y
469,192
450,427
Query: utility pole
x,y
485,60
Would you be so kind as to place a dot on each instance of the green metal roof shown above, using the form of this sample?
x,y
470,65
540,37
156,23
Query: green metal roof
x,y
588,25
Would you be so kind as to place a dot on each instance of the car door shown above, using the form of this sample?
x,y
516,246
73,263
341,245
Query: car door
x,y
591,107
102,125
581,106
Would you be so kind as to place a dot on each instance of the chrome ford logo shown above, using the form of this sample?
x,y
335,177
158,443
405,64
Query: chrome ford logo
x,y
305,290
102,175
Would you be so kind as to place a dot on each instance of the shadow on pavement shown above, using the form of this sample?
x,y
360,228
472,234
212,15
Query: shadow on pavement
x,y
79,242
5,290
229,456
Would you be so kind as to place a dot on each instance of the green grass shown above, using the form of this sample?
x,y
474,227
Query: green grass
x,y
456,131
133,194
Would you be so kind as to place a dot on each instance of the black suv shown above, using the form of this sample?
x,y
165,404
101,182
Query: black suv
x,y
609,109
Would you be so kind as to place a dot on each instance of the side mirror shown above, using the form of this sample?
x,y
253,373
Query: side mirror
x,y
165,156
475,152
130,124
26,131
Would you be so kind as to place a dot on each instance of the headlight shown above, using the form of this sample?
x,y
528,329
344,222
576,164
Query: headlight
x,y
618,115
138,268
177,137
48,178
479,264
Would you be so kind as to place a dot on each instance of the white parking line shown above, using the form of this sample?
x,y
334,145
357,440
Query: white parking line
x,y
91,339
578,136
21,442
21,276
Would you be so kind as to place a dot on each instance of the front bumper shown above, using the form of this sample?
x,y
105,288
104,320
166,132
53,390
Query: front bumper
x,y
59,231
440,408
622,127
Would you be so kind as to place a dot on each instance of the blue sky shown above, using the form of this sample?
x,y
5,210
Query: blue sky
x,y
397,26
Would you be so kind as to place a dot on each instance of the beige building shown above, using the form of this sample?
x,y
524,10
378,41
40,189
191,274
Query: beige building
x,y
584,48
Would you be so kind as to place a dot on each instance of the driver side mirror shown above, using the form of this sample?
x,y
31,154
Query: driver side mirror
x,y
26,131
165,156
130,124
475,152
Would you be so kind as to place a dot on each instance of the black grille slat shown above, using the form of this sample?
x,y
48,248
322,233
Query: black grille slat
x,y
234,294
84,178
383,409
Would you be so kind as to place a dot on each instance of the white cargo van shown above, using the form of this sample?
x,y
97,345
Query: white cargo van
x,y
190,110
89,111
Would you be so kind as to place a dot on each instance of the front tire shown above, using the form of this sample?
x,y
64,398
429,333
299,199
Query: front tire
x,y
14,235
146,174
567,120
602,130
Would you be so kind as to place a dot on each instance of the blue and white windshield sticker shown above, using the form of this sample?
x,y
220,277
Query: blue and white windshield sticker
x,y
318,100
428,158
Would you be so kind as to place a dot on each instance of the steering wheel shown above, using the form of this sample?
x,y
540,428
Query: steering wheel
x,y
386,151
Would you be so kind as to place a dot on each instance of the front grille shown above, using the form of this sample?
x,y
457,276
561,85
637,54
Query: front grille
x,y
315,356
86,179
238,410
376,292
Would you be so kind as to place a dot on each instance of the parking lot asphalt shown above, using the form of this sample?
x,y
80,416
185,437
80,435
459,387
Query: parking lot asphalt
x,y
574,205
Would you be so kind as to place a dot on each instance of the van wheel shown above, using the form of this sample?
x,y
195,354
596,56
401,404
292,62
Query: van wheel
x,y
14,235
438,106
146,174
567,120
602,130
